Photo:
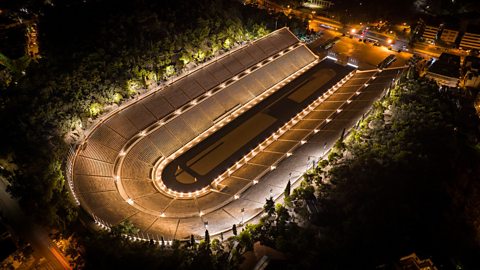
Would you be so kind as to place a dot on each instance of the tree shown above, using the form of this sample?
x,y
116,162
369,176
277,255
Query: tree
x,y
207,237
234,229
287,189
124,228
269,207
192,240
342,136
245,239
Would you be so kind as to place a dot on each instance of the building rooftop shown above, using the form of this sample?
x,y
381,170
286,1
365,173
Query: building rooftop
x,y
447,65
444,69
449,58
472,61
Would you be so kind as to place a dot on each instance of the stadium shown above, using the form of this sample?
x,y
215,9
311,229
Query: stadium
x,y
208,148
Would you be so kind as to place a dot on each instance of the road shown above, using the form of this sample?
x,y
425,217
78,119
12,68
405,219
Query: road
x,y
366,54
319,23
24,227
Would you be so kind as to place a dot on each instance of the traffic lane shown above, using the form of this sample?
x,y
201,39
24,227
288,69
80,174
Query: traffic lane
x,y
29,231
326,34
286,97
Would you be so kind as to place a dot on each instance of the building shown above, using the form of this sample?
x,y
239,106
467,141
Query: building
x,y
317,4
471,68
430,33
446,70
470,41
449,36
413,262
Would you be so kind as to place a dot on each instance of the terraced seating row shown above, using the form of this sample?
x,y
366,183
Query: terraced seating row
x,y
198,118
181,92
